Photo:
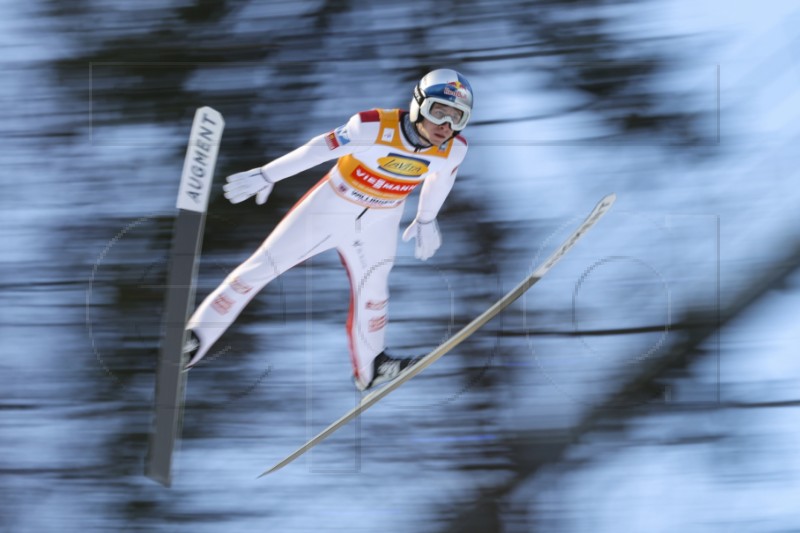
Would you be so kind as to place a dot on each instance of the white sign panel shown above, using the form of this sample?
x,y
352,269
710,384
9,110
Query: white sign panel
x,y
201,156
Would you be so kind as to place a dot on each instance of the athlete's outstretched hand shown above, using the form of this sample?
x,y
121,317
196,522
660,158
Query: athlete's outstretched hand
x,y
427,235
243,185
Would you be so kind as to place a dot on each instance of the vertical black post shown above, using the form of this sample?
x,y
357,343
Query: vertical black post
x,y
187,238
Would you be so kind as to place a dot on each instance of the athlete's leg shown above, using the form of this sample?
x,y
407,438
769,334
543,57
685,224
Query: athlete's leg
x,y
301,234
368,255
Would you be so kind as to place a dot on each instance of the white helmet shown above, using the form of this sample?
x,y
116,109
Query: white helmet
x,y
444,86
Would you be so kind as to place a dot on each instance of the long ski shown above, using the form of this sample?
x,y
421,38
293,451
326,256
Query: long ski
x,y
193,194
372,398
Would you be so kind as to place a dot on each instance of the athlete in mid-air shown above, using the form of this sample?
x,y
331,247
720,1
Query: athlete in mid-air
x,y
381,156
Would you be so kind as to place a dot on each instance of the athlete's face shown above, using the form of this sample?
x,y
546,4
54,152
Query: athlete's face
x,y
436,134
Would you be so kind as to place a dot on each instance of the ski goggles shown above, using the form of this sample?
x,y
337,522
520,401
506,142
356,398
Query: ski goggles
x,y
456,114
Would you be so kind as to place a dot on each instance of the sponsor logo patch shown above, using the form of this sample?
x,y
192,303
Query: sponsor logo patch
x,y
377,183
387,135
330,140
241,288
376,306
376,324
455,88
403,165
222,304
342,134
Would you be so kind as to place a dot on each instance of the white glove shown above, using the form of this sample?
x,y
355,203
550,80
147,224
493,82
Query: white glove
x,y
427,235
243,185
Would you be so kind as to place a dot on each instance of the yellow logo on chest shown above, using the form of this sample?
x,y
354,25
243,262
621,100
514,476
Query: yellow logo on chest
x,y
401,165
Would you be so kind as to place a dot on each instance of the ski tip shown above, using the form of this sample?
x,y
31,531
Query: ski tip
x,y
271,470
609,198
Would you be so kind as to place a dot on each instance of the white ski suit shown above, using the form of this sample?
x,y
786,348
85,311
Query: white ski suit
x,y
356,209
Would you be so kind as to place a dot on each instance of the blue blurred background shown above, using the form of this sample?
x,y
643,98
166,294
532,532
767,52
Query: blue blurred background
x,y
648,383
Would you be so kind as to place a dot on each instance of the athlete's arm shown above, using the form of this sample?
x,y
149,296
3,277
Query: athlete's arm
x,y
437,186
334,144
259,181
424,229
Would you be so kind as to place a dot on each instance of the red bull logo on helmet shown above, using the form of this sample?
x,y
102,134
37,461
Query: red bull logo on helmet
x,y
456,88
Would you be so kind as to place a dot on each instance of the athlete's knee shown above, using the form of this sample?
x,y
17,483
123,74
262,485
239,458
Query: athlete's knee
x,y
253,274
373,295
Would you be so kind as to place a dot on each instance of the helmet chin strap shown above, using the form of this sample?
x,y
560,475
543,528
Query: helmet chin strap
x,y
413,134
423,135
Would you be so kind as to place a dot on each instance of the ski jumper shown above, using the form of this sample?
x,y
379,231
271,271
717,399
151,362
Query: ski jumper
x,y
356,208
